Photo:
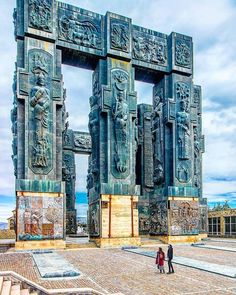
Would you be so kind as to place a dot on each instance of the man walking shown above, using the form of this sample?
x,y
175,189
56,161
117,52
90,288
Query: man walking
x,y
170,257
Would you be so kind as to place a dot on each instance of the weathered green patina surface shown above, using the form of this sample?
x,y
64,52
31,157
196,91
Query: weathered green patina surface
x,y
153,151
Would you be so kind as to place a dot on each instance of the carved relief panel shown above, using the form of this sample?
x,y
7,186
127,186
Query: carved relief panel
x,y
40,112
149,48
158,133
68,175
183,53
94,220
158,218
120,123
198,139
40,217
184,132
80,27
120,39
203,223
41,14
14,124
183,217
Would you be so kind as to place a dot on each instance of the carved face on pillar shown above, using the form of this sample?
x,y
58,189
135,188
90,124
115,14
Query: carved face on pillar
x,y
184,106
40,76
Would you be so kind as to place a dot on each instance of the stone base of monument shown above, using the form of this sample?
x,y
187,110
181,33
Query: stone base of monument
x,y
178,239
114,221
71,223
116,242
46,244
203,235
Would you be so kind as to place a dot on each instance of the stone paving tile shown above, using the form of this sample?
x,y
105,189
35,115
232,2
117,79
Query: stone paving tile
x,y
137,274
114,271
23,264
203,254
221,244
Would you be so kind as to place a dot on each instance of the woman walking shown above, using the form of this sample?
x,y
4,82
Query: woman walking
x,y
160,260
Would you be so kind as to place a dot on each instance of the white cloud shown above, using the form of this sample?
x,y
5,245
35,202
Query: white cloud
x,y
6,211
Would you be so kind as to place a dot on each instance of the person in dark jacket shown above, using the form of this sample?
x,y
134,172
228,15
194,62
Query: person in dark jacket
x,y
170,257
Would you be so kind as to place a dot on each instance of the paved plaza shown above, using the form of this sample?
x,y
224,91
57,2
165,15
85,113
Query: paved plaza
x,y
111,271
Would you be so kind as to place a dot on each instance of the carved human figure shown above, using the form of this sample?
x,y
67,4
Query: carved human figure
x,y
40,101
35,217
136,141
89,175
120,117
93,121
196,158
94,132
119,36
183,124
183,173
68,175
94,222
158,174
27,221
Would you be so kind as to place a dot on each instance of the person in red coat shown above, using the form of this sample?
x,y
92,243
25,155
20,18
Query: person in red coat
x,y
160,260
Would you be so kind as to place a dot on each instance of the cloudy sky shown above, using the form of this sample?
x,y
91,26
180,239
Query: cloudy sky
x,y
211,23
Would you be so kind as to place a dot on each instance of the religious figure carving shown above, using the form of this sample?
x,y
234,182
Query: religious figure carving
x,y
197,150
27,221
182,53
136,135
158,218
119,36
144,224
35,218
158,96
40,14
89,174
94,132
184,217
197,97
14,125
120,115
71,224
32,218
158,173
82,32
183,122
65,115
144,220
203,218
40,102
68,175
183,172
148,150
94,220
149,49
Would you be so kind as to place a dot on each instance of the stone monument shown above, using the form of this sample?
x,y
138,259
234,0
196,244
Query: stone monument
x,y
144,174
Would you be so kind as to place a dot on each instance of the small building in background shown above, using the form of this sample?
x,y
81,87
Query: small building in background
x,y
222,221
11,221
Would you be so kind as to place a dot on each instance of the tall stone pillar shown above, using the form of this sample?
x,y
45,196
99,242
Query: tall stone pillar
x,y
178,145
37,125
144,165
113,194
